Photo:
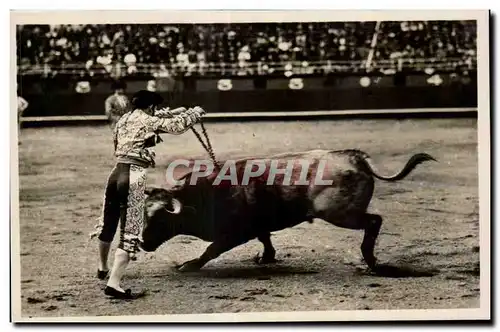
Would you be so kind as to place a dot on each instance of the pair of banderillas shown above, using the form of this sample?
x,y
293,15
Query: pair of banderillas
x,y
206,145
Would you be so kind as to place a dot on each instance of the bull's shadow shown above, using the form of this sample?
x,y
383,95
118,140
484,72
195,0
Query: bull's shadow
x,y
248,272
267,271
399,271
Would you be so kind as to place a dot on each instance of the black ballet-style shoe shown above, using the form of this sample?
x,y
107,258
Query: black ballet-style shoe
x,y
110,291
127,295
102,274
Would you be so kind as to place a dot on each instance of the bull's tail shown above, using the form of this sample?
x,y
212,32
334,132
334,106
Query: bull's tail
x,y
410,166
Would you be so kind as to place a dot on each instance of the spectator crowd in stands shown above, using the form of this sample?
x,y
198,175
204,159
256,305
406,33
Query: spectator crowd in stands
x,y
434,39
244,48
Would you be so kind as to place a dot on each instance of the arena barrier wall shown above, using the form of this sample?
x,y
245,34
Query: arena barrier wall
x,y
59,97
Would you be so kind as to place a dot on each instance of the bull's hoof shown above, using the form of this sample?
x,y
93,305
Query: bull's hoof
x,y
261,260
191,266
102,274
371,262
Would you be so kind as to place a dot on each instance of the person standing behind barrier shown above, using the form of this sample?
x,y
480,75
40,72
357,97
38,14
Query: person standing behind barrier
x,y
124,198
117,104
22,105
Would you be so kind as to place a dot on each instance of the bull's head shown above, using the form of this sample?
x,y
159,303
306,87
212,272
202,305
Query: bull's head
x,y
162,218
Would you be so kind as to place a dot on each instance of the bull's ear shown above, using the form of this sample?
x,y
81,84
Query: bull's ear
x,y
176,206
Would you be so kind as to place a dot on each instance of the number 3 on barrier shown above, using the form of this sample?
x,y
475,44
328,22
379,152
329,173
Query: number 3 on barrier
x,y
296,84
224,85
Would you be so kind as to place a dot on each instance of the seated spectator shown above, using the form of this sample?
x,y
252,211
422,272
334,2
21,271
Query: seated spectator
x,y
240,47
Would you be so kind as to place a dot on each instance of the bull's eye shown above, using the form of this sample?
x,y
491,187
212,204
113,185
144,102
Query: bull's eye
x,y
153,207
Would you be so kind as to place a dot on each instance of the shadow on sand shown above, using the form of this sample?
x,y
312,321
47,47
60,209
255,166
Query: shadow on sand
x,y
265,272
401,271
262,272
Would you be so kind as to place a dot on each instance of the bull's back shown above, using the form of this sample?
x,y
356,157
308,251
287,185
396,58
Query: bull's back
x,y
257,207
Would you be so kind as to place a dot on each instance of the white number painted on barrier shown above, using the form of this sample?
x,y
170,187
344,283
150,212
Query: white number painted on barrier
x,y
435,80
225,85
296,84
151,86
82,87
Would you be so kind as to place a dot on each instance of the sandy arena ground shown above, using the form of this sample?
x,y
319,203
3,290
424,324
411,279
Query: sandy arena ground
x,y
431,223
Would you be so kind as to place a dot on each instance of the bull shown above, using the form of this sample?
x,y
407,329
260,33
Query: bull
x,y
231,215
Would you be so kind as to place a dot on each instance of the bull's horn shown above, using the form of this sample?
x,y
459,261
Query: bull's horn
x,y
177,207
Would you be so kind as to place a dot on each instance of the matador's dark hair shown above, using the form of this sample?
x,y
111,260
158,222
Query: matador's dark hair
x,y
144,98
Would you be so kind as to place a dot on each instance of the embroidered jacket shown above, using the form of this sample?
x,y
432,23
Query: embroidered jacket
x,y
135,133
